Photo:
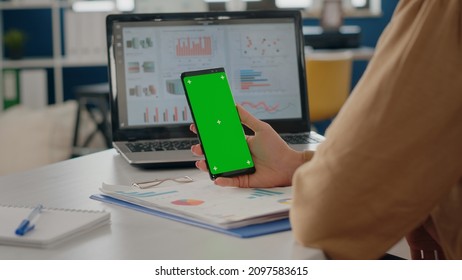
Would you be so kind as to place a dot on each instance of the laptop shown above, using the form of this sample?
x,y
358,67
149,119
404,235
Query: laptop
x,y
261,51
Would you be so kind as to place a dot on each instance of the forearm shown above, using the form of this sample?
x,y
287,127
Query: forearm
x,y
288,163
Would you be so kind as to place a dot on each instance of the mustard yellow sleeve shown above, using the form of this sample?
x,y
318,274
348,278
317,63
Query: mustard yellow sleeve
x,y
394,152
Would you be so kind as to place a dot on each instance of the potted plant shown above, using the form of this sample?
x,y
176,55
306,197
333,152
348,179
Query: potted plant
x,y
15,40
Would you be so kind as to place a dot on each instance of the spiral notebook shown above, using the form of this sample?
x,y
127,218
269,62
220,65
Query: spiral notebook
x,y
53,226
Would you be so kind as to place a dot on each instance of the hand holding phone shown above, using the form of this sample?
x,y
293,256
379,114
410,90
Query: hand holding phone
x,y
218,124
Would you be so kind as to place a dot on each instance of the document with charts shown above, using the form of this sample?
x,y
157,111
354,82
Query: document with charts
x,y
204,202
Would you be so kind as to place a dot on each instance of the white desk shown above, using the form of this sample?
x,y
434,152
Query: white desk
x,y
131,235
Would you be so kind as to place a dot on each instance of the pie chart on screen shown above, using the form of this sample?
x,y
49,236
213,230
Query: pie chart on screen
x,y
188,202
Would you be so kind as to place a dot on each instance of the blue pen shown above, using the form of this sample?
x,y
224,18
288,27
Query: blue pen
x,y
26,224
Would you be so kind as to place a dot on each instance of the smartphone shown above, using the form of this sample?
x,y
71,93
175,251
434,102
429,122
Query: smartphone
x,y
218,124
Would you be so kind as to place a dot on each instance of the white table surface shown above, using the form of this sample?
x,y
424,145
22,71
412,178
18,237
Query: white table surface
x,y
131,234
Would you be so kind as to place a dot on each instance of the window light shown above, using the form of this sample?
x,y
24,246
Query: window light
x,y
93,6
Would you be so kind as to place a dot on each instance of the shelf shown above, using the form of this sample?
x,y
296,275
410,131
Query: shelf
x,y
19,5
60,21
65,62
29,63
50,63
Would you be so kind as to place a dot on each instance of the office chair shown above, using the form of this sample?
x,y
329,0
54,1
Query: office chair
x,y
329,81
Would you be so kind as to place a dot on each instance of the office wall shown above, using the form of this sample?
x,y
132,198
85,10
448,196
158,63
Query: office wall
x,y
371,29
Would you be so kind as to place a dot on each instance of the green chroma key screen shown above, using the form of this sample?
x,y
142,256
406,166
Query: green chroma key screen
x,y
218,123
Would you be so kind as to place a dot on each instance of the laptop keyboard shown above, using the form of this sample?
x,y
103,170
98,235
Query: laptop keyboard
x,y
302,138
185,144
166,145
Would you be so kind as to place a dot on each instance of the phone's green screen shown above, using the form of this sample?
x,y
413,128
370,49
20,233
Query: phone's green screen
x,y
218,123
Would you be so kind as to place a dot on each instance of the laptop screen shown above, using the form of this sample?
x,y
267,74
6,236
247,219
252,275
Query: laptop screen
x,y
260,52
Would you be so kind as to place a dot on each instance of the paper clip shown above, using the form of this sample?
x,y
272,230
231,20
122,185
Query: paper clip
x,y
156,182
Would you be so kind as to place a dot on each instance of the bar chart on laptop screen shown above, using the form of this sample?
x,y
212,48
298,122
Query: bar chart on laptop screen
x,y
172,114
194,46
265,74
189,49
263,53
154,60
176,50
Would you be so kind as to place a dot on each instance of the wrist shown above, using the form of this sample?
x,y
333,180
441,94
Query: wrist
x,y
294,160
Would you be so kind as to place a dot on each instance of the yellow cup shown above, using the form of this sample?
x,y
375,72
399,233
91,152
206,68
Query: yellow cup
x,y
328,76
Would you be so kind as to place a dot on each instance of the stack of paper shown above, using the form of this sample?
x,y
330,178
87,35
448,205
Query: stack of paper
x,y
203,202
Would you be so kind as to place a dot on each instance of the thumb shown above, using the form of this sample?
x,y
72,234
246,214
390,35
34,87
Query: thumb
x,y
249,120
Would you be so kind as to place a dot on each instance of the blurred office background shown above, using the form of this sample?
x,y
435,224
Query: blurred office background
x,y
59,45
